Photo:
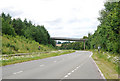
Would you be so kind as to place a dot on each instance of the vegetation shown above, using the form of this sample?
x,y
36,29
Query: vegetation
x,y
19,59
107,35
73,45
19,44
22,36
17,27
108,64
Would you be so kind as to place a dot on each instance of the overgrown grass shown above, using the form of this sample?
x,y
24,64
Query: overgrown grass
x,y
0,47
19,59
12,45
108,64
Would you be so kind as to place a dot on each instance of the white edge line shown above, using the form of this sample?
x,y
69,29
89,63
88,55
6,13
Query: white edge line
x,y
98,68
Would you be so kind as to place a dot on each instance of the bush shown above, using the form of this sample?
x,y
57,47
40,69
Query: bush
x,y
21,45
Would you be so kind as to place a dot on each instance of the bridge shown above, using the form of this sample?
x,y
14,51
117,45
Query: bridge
x,y
69,39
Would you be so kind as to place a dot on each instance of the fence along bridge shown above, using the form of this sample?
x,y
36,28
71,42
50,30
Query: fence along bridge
x,y
69,39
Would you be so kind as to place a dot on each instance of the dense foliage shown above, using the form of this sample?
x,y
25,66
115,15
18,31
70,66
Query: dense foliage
x,y
24,28
107,35
73,45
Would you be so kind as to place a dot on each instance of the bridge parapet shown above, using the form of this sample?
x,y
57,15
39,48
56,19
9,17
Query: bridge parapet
x,y
68,39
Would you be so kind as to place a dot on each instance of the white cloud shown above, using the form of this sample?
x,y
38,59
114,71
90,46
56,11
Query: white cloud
x,y
64,18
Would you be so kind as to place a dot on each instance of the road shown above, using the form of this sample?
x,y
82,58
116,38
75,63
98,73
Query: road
x,y
77,65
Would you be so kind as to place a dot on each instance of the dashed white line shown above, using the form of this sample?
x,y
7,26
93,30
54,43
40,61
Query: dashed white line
x,y
75,69
69,73
42,65
55,61
66,76
18,72
72,70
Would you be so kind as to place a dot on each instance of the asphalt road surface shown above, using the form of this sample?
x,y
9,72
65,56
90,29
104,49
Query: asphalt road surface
x,y
77,65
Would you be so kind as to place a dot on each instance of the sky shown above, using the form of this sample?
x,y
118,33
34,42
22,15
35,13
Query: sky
x,y
62,18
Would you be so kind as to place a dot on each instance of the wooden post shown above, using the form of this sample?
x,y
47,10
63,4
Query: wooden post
x,y
84,44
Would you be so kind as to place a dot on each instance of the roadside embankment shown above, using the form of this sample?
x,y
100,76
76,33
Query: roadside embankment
x,y
20,44
7,60
108,63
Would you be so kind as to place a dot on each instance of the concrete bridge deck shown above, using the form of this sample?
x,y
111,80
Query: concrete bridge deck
x,y
68,39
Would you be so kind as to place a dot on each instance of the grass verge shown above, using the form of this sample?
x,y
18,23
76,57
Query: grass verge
x,y
19,59
20,44
107,63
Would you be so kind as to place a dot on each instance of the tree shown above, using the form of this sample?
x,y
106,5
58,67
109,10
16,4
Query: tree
x,y
18,26
107,34
59,42
7,27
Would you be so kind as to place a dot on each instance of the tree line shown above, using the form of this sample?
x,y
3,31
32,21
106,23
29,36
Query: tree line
x,y
107,35
25,28
72,45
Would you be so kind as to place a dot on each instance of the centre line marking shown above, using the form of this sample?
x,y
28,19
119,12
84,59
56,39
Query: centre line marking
x,y
41,65
69,73
66,76
18,72
73,71
55,61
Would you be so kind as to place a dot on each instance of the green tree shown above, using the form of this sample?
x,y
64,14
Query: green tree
x,y
107,34
7,27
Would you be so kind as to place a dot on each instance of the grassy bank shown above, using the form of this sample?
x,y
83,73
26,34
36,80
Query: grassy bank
x,y
12,45
108,64
15,45
19,59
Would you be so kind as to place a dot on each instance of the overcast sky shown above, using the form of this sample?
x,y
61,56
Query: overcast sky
x,y
62,18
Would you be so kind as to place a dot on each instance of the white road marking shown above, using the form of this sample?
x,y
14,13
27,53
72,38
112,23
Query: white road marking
x,y
18,72
98,68
66,76
42,65
72,70
69,73
91,55
75,69
55,61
